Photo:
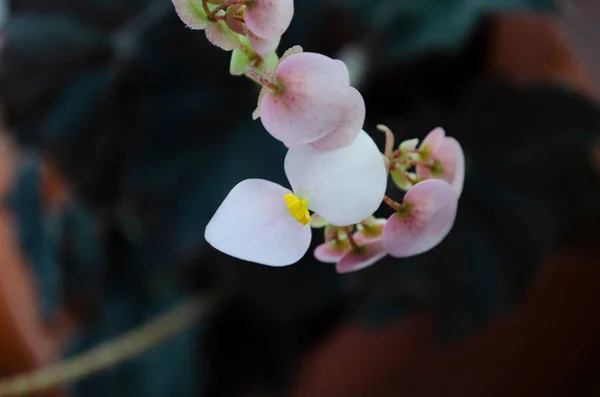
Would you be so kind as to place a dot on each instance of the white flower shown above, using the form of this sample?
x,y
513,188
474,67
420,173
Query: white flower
x,y
260,221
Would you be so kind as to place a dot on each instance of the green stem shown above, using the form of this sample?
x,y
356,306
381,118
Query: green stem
x,y
264,80
353,244
110,353
206,9
396,206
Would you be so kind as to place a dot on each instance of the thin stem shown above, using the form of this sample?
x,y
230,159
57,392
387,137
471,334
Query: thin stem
x,y
110,353
396,206
255,60
224,6
205,7
263,80
353,244
251,77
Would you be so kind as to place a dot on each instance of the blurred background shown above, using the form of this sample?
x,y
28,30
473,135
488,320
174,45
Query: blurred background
x,y
118,144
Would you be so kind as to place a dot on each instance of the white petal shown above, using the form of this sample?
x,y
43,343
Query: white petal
x,y
253,223
343,69
344,186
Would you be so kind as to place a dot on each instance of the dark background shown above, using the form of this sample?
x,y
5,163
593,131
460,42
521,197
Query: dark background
x,y
125,142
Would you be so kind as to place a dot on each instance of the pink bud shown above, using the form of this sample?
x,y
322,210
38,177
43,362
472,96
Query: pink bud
x,y
447,163
431,141
233,24
332,251
368,255
262,46
268,18
349,126
316,100
429,210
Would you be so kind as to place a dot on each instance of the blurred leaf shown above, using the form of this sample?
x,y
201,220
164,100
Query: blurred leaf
x,y
412,28
45,39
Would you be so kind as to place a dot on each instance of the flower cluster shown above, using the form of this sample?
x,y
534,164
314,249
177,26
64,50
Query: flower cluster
x,y
337,174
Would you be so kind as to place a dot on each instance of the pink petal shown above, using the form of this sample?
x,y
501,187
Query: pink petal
x,y
219,34
269,18
233,23
189,14
369,254
450,158
313,103
431,141
343,69
331,252
349,127
432,209
263,46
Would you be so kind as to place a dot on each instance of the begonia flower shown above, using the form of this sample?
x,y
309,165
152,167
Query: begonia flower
x,y
192,13
263,46
263,222
350,253
424,218
313,103
447,162
268,19
368,254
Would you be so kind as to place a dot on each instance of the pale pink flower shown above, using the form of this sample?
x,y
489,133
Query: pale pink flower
x,y
314,105
337,248
446,162
262,46
268,19
369,254
431,142
426,217
263,222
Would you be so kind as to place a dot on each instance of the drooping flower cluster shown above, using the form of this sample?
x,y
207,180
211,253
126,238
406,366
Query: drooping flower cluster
x,y
337,175
263,222
263,22
432,174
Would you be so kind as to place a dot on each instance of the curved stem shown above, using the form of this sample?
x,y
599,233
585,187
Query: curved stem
x,y
389,139
353,244
396,206
110,353
263,80
206,9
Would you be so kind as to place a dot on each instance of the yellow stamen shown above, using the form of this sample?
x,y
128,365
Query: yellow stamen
x,y
298,208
